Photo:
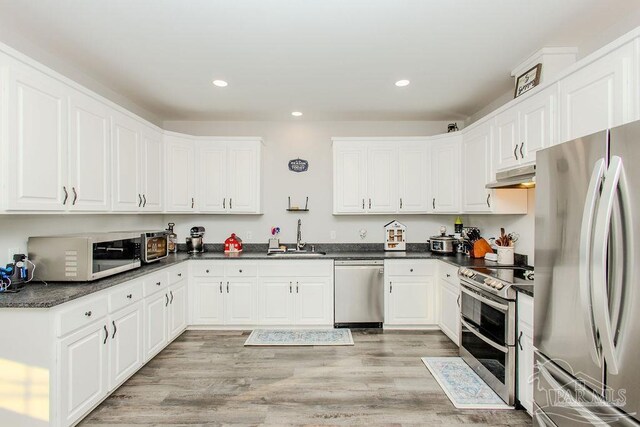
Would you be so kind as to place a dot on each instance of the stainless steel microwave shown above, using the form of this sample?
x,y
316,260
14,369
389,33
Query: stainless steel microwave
x,y
84,257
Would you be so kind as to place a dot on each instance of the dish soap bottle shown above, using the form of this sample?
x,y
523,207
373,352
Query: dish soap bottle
x,y
172,239
457,226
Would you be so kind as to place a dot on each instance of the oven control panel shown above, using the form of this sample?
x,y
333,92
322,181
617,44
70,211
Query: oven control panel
x,y
483,281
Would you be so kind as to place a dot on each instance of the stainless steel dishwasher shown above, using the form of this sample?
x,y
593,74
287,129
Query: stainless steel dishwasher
x,y
359,294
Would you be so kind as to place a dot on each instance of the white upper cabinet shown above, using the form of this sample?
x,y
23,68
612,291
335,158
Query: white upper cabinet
x,y
152,170
213,176
507,139
382,178
538,127
125,135
349,177
89,154
598,96
445,174
37,146
476,168
180,177
412,160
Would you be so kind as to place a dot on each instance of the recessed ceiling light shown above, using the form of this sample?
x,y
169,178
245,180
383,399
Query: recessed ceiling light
x,y
402,83
296,114
220,83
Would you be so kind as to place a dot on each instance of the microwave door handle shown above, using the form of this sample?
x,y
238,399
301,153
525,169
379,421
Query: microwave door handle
x,y
483,338
601,313
502,307
586,242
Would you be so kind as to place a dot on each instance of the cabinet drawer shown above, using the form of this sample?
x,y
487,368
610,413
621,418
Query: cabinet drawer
x,y
448,272
125,295
81,314
297,269
207,270
178,273
410,268
241,270
156,283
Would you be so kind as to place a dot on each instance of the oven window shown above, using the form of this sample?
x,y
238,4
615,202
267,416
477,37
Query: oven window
x,y
491,322
494,360
114,254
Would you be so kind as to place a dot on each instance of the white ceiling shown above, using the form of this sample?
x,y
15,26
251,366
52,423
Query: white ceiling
x,y
331,59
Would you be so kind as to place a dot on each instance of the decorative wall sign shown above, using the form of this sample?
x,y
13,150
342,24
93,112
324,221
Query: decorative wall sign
x,y
298,165
528,80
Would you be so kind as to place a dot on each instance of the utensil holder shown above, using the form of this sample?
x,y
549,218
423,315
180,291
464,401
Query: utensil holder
x,y
506,255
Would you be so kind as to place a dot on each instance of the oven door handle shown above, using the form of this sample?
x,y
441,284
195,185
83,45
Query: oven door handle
x,y
502,307
483,338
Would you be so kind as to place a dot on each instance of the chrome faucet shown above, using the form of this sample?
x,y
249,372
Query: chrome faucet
x,y
299,244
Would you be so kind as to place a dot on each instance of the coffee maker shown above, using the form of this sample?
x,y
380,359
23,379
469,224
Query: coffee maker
x,y
195,242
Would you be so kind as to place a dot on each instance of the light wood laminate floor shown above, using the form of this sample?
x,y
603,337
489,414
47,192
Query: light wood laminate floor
x,y
210,378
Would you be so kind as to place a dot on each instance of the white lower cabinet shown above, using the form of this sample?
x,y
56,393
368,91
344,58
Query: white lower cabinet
x,y
155,321
82,371
177,319
240,301
125,348
525,351
410,293
449,302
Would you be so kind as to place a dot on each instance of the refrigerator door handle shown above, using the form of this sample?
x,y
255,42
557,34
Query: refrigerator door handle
x,y
586,241
613,177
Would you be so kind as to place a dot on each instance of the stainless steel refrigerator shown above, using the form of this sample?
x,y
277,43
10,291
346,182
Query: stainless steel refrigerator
x,y
587,285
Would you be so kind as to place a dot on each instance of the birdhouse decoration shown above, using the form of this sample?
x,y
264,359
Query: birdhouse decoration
x,y
233,244
395,236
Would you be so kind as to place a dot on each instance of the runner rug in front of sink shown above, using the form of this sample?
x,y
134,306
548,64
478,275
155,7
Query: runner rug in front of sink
x,y
299,337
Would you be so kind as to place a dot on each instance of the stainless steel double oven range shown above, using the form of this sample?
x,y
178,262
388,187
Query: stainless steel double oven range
x,y
488,317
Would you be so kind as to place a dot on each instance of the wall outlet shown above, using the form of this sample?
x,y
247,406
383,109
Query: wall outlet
x,y
249,236
333,235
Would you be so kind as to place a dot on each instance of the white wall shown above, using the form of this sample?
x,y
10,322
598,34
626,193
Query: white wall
x,y
16,229
312,141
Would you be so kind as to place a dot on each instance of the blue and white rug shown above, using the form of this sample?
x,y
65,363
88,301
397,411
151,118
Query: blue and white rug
x,y
300,337
462,385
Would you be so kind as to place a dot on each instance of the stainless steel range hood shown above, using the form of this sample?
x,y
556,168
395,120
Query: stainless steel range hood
x,y
522,177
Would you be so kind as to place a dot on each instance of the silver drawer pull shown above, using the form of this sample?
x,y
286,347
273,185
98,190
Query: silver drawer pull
x,y
130,296
88,313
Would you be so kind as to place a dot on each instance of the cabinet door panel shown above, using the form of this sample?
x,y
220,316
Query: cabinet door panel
x,y
125,343
37,142
153,174
83,371
349,178
446,176
275,301
450,311
537,124
314,301
89,154
476,169
597,97
127,187
411,301
414,178
180,179
507,140
155,313
382,176
240,302
207,301
244,176
177,310
211,172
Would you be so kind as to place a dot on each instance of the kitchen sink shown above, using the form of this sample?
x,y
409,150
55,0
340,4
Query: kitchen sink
x,y
292,254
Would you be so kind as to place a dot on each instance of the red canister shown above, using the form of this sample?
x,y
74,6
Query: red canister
x,y
233,244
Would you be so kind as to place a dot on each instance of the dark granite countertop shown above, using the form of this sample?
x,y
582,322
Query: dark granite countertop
x,y
39,295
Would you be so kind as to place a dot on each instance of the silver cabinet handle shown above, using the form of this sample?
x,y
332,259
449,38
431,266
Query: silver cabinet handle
x,y
458,301
106,334
75,195
290,287
515,151
171,293
434,203
230,203
220,287
390,287
363,204
193,202
369,202
66,195
167,297
115,329
297,287
448,275
520,341
158,283
521,153
489,200
129,296
144,198
179,274
139,200
227,287
224,203
88,313
400,202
